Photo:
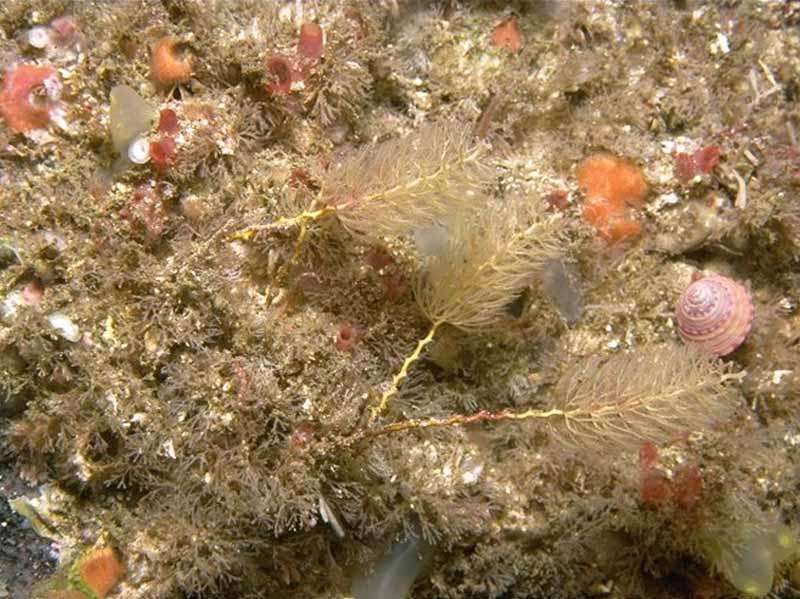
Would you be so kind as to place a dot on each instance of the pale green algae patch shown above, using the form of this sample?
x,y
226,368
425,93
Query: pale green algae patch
x,y
749,562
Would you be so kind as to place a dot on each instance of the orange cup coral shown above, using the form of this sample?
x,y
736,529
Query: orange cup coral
x,y
506,35
612,186
311,44
168,64
101,570
21,111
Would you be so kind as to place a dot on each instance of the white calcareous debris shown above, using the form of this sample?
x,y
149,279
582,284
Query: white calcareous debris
x,y
64,326
169,449
777,376
226,147
53,86
667,199
792,438
471,470
787,305
38,37
10,304
720,45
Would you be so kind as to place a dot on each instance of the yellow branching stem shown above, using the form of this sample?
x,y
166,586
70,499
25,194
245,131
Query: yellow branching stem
x,y
458,420
403,373
470,284
650,394
298,247
301,220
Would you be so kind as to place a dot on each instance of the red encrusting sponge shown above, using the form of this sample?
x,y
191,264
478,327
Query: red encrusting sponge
x,y
22,108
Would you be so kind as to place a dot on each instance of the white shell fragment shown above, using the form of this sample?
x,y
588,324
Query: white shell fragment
x,y
38,37
53,86
64,326
471,470
139,151
9,305
169,449
329,517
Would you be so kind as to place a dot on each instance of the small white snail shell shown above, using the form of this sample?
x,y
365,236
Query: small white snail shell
x,y
39,37
139,151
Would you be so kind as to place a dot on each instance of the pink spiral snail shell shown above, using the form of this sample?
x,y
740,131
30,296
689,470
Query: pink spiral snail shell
x,y
715,314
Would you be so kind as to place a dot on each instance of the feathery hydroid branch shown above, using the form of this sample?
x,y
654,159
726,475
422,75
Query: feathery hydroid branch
x,y
651,394
484,265
392,187
407,183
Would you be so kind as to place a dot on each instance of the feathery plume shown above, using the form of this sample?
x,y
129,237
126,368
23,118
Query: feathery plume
x,y
410,182
469,280
486,263
400,184
650,394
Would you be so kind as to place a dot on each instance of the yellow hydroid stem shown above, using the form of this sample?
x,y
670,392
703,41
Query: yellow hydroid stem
x,y
464,419
298,247
403,372
301,219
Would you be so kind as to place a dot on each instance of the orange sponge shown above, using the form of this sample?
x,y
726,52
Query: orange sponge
x,y
612,186
611,220
612,178
598,211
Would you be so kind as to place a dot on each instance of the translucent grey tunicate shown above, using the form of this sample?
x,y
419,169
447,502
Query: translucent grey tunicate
x,y
131,116
560,286
394,575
